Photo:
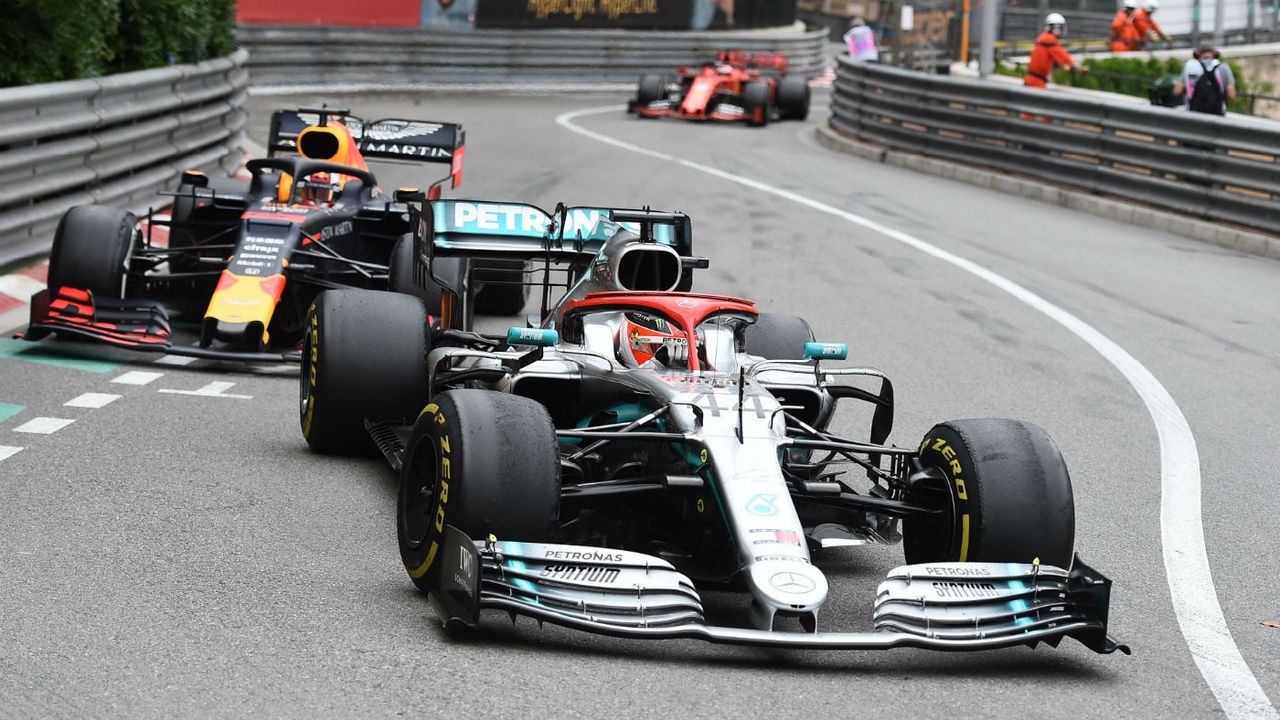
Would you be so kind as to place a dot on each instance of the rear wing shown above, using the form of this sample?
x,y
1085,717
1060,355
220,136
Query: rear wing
x,y
387,139
519,231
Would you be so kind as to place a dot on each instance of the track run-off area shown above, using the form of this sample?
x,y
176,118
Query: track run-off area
x,y
173,548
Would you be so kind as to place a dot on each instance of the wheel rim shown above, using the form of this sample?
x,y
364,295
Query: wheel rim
x,y
308,371
939,534
418,486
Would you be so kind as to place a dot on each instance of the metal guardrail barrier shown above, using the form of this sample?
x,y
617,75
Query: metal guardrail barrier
x,y
313,54
1203,166
110,140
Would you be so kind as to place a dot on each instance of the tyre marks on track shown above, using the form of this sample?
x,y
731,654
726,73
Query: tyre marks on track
x,y
1186,559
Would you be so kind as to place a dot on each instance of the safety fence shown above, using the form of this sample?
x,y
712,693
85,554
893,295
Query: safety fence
x,y
1203,166
392,56
111,140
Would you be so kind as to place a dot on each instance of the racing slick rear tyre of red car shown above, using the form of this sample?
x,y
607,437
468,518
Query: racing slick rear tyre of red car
x,y
757,101
1007,492
91,250
363,357
793,98
651,88
485,462
776,336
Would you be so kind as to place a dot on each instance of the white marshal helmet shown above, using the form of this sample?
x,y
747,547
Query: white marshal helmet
x,y
1130,4
1055,19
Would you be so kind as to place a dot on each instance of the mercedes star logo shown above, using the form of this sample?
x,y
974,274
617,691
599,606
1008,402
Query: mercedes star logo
x,y
789,582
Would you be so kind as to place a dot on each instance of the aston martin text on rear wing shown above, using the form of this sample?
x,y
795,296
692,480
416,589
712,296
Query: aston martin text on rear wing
x,y
388,139
523,231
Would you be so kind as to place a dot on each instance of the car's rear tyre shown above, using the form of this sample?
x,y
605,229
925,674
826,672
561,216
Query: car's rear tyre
x,y
651,89
1007,492
776,336
91,250
793,98
486,463
757,101
364,356
400,276
503,297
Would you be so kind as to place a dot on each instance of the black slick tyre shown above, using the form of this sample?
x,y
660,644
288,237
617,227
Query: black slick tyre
x,y
793,98
363,357
651,89
776,336
400,276
486,463
757,101
1008,494
91,250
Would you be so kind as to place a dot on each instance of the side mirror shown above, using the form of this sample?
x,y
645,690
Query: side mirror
x,y
541,337
410,194
195,178
825,351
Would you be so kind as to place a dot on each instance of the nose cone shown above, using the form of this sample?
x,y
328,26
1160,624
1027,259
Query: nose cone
x,y
788,585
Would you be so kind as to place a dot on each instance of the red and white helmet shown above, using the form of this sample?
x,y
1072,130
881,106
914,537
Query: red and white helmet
x,y
645,340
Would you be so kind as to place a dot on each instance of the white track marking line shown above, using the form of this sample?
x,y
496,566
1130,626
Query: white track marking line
x,y
92,400
137,377
19,286
43,425
8,451
1186,560
213,389
176,360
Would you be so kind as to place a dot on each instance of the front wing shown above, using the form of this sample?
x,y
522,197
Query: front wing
x,y
667,108
942,606
135,324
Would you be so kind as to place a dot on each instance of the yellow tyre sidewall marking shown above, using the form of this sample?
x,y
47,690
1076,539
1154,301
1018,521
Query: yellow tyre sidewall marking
x,y
311,376
444,471
960,493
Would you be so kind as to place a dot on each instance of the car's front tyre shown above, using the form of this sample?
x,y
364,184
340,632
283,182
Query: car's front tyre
x,y
486,463
363,357
1006,496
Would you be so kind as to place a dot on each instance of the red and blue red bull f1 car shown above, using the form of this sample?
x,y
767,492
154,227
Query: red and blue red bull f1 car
x,y
244,259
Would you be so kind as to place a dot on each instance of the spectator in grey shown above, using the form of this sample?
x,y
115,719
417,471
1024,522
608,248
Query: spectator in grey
x,y
1215,91
449,14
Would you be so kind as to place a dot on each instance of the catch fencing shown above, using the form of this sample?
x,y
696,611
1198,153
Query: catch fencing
x,y
1223,169
111,140
391,56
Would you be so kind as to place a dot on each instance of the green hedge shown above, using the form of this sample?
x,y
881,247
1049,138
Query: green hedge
x,y
51,40
1131,76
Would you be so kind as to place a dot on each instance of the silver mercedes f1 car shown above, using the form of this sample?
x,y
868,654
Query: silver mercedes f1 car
x,y
636,441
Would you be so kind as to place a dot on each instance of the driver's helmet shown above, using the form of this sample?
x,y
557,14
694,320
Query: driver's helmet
x,y
318,189
647,341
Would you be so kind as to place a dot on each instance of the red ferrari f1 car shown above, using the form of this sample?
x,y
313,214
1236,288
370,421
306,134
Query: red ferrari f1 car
x,y
737,86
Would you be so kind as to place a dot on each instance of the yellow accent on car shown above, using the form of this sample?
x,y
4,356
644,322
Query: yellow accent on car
x,y
426,565
964,537
241,299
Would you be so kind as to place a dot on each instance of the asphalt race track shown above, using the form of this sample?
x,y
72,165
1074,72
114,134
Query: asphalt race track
x,y
182,553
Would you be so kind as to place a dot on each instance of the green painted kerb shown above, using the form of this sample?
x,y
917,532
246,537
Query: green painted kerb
x,y
63,356
8,410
